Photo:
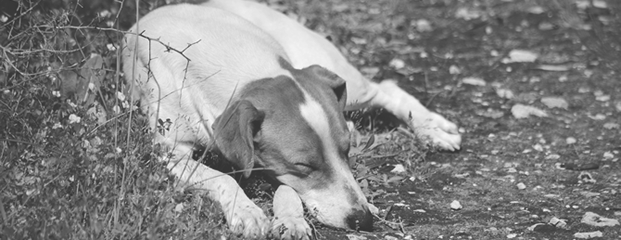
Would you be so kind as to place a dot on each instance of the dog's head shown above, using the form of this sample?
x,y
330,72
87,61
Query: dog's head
x,y
293,125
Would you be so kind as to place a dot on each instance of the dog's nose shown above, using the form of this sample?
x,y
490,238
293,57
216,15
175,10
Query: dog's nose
x,y
360,220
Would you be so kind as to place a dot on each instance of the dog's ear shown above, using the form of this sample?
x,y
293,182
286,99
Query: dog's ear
x,y
235,131
334,81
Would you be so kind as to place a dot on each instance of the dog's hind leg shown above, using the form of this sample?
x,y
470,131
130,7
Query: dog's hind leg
x,y
289,222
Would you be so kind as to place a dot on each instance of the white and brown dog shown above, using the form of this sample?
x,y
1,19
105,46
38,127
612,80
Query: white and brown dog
x,y
245,80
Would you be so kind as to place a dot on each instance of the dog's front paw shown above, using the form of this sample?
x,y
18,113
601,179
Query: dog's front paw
x,y
437,131
248,220
290,228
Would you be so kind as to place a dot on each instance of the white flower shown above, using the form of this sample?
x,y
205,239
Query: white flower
x,y
56,93
120,96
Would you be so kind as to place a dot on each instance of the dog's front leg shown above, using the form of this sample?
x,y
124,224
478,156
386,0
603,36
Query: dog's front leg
x,y
243,216
289,222
427,125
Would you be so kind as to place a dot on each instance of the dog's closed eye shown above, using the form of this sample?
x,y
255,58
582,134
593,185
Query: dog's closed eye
x,y
305,168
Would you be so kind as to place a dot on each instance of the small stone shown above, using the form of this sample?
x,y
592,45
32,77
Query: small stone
x,y
179,208
570,140
611,125
455,205
555,102
397,63
504,93
524,111
423,25
518,55
511,235
608,155
521,186
553,157
453,70
475,81
559,223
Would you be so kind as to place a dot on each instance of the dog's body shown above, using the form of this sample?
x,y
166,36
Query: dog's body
x,y
306,48
209,78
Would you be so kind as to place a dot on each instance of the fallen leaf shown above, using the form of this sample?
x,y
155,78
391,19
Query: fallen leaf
x,y
398,168
523,111
594,219
587,235
355,237
555,102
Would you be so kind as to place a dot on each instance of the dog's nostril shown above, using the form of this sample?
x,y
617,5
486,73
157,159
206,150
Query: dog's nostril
x,y
360,220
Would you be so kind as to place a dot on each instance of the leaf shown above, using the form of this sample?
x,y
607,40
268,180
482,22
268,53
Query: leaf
x,y
594,219
369,143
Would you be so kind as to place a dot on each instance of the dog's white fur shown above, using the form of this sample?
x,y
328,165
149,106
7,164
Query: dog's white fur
x,y
192,62
305,47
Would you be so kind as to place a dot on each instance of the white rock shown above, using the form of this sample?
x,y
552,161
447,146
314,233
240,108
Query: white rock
x,y
455,205
559,223
504,93
474,81
518,55
611,125
511,235
594,219
423,25
454,70
521,186
397,63
74,119
570,140
555,102
587,235
524,111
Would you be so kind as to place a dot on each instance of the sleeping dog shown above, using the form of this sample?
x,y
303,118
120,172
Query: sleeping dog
x,y
262,97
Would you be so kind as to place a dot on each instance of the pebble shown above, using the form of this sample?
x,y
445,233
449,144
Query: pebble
x,y
570,140
557,222
521,186
397,63
455,205
474,81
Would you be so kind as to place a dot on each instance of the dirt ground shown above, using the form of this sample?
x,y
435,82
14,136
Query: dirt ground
x,y
533,86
